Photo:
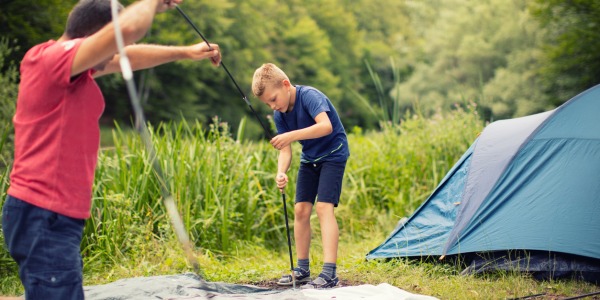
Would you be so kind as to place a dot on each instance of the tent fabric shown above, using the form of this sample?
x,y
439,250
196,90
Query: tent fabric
x,y
189,286
494,149
531,183
425,232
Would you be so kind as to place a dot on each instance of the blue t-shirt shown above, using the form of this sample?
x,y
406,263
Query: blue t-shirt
x,y
309,103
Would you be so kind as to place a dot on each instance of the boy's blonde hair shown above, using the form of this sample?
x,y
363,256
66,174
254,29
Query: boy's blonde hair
x,y
267,75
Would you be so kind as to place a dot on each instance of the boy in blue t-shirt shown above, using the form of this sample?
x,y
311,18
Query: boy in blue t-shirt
x,y
304,114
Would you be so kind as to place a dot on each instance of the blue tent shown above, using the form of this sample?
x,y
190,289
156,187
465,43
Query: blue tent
x,y
525,196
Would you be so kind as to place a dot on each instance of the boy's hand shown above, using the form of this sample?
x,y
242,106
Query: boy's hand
x,y
282,140
281,180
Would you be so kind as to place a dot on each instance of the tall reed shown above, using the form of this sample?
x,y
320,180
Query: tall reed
x,y
392,171
225,188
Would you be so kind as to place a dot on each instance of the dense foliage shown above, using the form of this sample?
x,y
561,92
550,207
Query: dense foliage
x,y
483,51
226,193
304,37
511,57
572,59
8,94
450,63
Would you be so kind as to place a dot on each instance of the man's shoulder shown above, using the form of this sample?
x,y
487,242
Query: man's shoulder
x,y
38,49
52,48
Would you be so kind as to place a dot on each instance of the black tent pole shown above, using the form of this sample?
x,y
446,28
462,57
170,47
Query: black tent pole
x,y
287,227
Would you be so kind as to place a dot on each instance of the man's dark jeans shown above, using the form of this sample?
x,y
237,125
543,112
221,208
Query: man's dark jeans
x,y
46,246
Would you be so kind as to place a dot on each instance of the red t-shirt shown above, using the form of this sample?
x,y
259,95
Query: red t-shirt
x,y
57,136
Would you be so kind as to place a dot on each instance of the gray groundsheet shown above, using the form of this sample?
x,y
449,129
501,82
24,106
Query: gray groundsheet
x,y
190,286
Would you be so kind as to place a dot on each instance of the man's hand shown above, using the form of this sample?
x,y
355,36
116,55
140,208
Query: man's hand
x,y
202,51
163,5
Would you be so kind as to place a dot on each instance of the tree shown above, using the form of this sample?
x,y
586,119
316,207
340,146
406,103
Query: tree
x,y
32,22
321,43
572,58
8,98
386,34
476,51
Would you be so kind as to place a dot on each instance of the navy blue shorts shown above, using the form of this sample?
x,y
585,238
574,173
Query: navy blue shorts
x,y
46,246
320,181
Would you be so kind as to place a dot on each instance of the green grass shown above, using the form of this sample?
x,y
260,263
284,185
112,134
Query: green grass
x,y
229,203
253,264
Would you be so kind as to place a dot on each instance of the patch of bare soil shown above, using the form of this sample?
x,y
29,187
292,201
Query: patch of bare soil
x,y
272,284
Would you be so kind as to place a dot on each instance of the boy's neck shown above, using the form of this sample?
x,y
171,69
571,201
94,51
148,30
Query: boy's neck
x,y
292,98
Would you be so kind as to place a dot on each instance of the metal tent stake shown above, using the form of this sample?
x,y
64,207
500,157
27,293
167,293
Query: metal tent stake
x,y
287,228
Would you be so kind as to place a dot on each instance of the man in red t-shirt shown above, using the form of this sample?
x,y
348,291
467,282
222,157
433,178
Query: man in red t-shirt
x,y
57,138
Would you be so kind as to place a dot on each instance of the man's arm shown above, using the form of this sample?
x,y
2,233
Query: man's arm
x,y
147,56
134,22
322,127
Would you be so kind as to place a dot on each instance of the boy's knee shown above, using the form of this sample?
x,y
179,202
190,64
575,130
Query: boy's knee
x,y
324,208
302,211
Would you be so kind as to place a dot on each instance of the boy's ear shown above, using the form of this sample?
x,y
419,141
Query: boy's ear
x,y
286,83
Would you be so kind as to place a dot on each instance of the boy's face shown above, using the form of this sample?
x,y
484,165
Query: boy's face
x,y
277,97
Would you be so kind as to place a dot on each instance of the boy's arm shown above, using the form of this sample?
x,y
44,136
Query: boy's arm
x,y
283,165
322,127
146,56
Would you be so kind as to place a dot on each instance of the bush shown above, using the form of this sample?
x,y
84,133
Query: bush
x,y
8,98
226,192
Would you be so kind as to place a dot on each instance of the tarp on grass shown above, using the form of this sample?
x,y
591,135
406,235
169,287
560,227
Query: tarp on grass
x,y
190,287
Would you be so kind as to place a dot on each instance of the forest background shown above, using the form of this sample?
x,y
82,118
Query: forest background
x,y
414,83
512,58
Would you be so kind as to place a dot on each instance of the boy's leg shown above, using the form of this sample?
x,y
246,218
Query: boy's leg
x,y
302,230
46,246
306,192
329,231
330,188
302,236
331,175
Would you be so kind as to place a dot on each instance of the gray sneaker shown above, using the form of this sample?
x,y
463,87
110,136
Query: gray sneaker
x,y
321,282
302,276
